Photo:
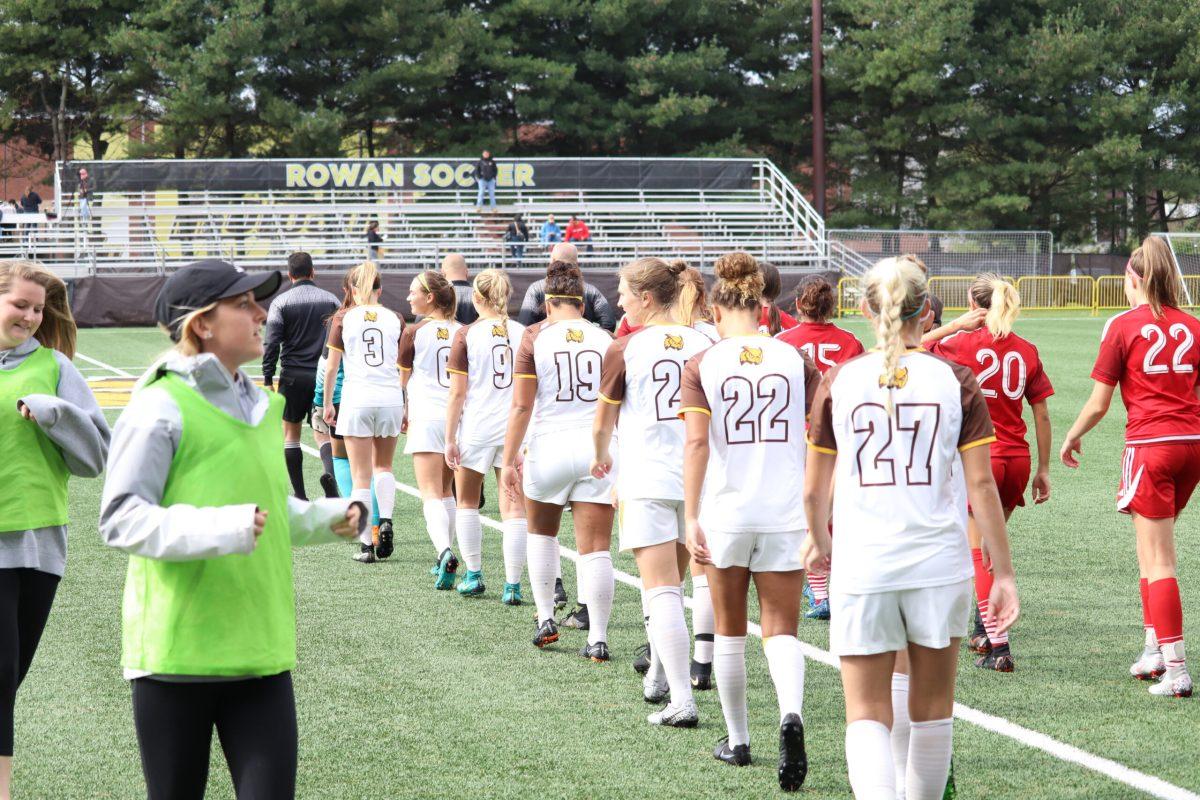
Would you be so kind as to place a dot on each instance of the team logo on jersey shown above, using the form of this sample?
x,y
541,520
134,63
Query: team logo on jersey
x,y
750,355
499,330
370,316
897,382
443,333
673,341
574,335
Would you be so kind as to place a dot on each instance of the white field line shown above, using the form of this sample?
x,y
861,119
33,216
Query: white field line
x,y
120,373
1156,787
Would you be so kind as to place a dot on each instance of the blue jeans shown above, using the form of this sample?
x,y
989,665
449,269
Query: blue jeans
x,y
490,188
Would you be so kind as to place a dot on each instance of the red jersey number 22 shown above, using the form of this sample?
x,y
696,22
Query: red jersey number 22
x,y
1179,333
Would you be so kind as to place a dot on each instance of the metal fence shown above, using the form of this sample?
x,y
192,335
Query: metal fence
x,y
945,253
1038,293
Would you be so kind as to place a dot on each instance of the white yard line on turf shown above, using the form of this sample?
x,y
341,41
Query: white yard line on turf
x,y
120,373
1149,784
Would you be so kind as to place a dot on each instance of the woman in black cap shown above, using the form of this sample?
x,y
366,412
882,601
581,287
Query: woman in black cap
x,y
197,493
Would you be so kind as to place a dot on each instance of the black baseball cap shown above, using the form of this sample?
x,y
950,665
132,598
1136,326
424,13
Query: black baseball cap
x,y
202,283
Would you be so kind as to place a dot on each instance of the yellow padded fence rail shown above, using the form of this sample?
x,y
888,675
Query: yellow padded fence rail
x,y
1038,293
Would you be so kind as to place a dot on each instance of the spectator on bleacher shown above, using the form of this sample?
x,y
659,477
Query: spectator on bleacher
x,y
551,233
84,193
485,179
595,306
772,320
374,240
31,201
8,210
295,336
454,268
517,234
577,231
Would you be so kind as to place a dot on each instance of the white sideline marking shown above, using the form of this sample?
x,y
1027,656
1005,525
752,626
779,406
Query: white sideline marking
x,y
120,373
1149,784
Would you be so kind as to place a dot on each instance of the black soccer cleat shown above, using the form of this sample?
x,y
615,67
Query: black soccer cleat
x,y
793,760
998,659
547,633
560,595
577,619
738,755
385,547
641,664
597,652
366,554
701,676
329,485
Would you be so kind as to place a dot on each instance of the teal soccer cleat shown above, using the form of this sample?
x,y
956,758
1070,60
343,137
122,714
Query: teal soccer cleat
x,y
472,584
512,594
447,567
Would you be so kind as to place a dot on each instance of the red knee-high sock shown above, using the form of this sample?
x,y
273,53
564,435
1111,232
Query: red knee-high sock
x,y
1147,620
1166,610
983,588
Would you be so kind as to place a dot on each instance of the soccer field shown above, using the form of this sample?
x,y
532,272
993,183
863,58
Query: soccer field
x,y
403,691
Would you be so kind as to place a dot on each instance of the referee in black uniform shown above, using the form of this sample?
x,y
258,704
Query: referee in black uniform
x,y
295,337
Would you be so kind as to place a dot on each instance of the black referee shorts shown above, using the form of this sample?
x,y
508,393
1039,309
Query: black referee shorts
x,y
297,389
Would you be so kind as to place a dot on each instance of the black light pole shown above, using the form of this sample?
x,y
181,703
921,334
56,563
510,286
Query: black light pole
x,y
818,95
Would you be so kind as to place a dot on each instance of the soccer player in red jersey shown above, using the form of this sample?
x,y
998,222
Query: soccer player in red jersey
x,y
1150,352
770,319
1010,373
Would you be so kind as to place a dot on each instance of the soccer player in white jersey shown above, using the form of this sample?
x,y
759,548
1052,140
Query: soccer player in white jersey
x,y
640,382
744,402
424,358
365,340
901,429
554,399
481,389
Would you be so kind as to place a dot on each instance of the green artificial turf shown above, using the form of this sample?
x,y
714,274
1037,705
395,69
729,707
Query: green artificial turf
x,y
407,692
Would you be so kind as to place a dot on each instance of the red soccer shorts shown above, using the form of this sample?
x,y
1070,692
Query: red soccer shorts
x,y
1012,476
1158,480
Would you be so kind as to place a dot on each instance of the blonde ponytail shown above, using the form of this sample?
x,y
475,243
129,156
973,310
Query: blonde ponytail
x,y
1154,263
364,281
896,294
1000,298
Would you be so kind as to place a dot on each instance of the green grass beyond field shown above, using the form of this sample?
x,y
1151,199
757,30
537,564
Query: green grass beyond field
x,y
408,692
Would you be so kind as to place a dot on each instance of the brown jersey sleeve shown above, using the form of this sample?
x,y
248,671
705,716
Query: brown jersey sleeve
x,y
408,346
820,422
691,389
334,341
612,373
524,365
457,362
812,379
976,419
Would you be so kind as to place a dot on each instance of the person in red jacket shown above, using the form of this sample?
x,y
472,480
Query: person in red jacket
x,y
1150,352
1010,373
577,231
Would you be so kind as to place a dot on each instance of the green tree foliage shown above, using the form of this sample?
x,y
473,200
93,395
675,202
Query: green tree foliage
x,y
1080,118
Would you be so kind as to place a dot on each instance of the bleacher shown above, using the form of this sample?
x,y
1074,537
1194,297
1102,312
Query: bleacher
x,y
156,229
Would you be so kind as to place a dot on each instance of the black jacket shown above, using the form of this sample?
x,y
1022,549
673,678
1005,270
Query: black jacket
x,y
295,333
485,169
595,306
465,312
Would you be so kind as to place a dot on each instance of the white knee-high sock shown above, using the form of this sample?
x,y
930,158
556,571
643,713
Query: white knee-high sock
x,y
600,588
437,524
451,512
901,725
558,568
366,536
785,660
669,639
655,673
929,750
543,555
515,532
869,760
729,668
702,620
385,493
470,537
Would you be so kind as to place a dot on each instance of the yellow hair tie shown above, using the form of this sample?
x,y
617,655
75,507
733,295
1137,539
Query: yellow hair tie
x,y
564,297
421,278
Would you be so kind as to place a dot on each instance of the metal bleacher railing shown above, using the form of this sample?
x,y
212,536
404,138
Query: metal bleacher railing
x,y
157,231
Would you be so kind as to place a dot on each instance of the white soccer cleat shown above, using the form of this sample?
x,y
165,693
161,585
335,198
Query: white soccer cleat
x,y
1149,666
685,715
1178,686
655,691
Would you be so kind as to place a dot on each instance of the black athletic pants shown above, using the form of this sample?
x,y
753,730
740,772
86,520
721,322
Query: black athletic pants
x,y
25,599
256,724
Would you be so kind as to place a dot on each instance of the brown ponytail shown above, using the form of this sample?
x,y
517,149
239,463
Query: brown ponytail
x,y
814,298
739,282
440,290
